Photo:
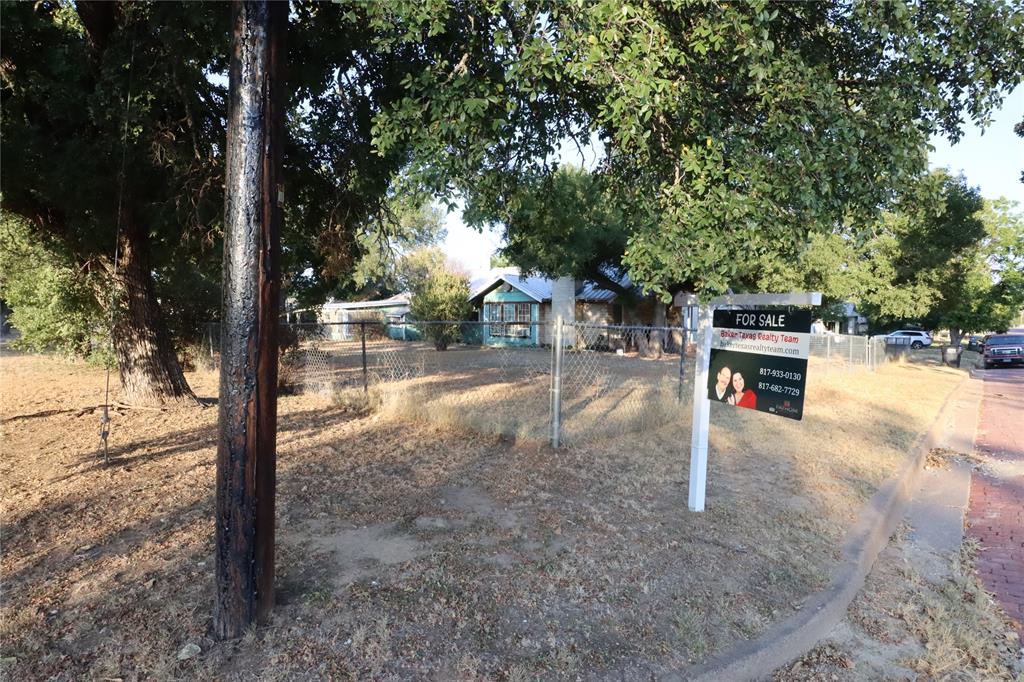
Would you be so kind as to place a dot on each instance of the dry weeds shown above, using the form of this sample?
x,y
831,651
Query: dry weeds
x,y
413,546
905,627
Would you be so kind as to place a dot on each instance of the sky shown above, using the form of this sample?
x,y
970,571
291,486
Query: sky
x,y
991,159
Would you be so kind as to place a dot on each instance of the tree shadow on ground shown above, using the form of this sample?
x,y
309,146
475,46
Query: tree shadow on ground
x,y
601,559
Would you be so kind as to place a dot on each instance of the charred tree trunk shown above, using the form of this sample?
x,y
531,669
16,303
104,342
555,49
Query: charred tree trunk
x,y
146,361
246,452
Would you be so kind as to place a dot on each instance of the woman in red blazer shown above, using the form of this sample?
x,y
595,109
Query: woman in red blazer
x,y
742,398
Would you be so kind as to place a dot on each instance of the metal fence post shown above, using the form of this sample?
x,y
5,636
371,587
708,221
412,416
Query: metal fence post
x,y
556,384
362,338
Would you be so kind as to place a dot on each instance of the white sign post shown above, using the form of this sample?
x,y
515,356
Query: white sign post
x,y
701,403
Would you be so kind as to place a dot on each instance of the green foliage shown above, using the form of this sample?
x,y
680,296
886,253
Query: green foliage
x,y
387,249
415,268
566,224
987,293
442,295
500,260
53,304
942,256
733,131
90,86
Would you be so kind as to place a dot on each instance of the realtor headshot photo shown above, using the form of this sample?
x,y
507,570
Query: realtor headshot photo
x,y
732,382
741,395
722,390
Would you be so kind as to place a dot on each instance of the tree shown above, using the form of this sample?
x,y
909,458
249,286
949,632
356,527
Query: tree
x,y
52,308
499,260
415,268
111,137
442,295
733,130
560,225
1019,129
940,256
987,290
389,252
77,77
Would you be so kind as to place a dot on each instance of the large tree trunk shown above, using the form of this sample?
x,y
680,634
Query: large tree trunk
x,y
653,348
955,336
146,361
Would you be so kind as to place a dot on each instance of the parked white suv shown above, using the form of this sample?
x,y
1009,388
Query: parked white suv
x,y
909,337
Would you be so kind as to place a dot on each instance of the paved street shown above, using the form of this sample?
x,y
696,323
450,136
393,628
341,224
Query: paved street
x,y
996,513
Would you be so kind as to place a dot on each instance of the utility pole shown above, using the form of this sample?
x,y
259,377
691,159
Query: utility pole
x,y
254,195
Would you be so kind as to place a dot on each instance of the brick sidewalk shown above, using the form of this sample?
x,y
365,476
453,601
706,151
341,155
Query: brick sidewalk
x,y
996,512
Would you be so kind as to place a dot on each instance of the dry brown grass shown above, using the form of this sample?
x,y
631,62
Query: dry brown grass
x,y
413,546
963,632
905,627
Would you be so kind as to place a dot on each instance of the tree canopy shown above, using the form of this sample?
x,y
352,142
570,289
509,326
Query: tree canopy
x,y
442,293
565,224
941,256
732,130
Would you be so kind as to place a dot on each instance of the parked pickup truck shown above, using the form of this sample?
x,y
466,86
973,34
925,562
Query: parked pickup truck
x,y
1003,349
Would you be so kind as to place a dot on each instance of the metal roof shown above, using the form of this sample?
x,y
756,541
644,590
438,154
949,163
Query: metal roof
x,y
392,302
594,293
539,288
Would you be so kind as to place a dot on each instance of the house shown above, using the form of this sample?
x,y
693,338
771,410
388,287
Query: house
x,y
853,322
391,311
516,307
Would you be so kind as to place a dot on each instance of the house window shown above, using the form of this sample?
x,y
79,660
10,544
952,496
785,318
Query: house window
x,y
511,320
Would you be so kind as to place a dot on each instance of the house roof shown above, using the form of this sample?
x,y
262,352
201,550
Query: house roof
x,y
539,288
595,293
396,301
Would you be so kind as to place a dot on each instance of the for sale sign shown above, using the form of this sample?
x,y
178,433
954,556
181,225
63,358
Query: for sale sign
x,y
759,360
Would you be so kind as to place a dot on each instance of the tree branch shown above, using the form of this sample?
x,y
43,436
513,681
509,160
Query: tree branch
x,y
98,18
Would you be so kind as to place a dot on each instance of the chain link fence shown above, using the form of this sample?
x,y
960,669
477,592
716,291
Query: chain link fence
x,y
841,352
534,380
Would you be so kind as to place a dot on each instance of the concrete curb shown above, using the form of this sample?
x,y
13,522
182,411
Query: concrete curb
x,y
796,635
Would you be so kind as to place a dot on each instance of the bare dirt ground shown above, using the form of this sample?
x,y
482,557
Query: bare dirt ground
x,y
413,549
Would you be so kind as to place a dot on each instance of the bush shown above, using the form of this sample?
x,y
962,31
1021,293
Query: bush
x,y
442,295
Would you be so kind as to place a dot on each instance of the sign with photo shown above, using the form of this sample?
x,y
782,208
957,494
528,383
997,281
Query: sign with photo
x,y
759,360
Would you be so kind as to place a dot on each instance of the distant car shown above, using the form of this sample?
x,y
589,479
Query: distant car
x,y
909,337
975,343
1003,349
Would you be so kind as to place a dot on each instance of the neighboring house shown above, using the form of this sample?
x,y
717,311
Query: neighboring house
x,y
515,307
392,311
852,323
